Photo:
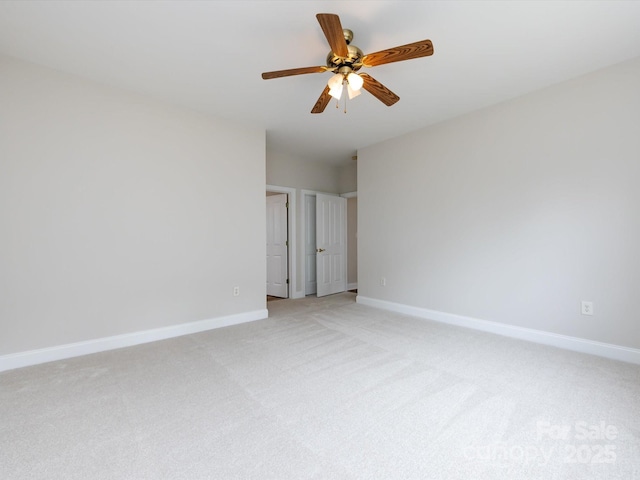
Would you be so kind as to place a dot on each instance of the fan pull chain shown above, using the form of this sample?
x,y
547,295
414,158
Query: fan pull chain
x,y
344,83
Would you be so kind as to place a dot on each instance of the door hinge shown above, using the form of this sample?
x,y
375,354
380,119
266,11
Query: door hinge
x,y
286,205
286,243
287,281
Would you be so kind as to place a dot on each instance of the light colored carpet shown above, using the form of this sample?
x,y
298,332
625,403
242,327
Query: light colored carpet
x,y
324,389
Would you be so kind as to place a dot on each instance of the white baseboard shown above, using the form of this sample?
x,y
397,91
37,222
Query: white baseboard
x,y
61,352
615,352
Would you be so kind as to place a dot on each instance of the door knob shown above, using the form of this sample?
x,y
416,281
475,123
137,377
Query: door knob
x,y
320,250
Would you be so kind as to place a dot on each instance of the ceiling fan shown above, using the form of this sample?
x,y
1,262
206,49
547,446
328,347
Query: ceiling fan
x,y
344,60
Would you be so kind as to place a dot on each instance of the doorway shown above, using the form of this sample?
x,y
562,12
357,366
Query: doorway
x,y
301,239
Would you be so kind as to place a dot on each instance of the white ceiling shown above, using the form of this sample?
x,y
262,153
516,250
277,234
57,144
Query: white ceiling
x,y
209,56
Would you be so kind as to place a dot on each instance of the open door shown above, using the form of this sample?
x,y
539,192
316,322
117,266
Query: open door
x,y
277,265
311,279
331,244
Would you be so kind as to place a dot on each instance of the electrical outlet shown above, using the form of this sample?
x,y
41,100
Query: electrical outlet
x,y
587,308
383,281
236,291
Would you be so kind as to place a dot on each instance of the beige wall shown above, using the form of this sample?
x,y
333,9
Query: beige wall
x,y
285,170
348,177
119,214
515,213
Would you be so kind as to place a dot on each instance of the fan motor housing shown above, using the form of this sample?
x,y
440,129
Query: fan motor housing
x,y
353,58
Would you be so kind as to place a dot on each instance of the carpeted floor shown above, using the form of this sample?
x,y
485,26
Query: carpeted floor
x,y
324,389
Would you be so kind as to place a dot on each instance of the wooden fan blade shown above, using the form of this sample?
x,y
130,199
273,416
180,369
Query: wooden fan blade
x,y
322,102
378,90
332,29
293,71
423,48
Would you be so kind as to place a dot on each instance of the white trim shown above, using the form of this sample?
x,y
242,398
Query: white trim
x,y
615,352
291,234
315,192
303,237
350,286
297,294
61,352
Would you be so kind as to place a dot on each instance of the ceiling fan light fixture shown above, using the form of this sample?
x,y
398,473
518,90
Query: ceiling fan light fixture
x,y
352,92
355,82
336,92
335,85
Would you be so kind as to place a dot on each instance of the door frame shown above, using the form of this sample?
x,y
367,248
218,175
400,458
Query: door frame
x,y
348,195
291,235
305,240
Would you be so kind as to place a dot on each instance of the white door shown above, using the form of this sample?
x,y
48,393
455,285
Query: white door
x,y
277,272
310,284
331,244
